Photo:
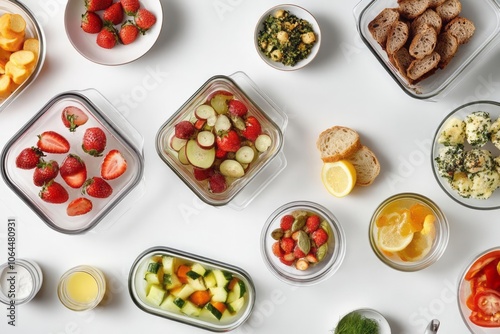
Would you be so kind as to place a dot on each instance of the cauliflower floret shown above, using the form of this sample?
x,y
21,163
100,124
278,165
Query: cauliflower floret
x,y
282,37
477,160
477,128
484,184
308,37
462,184
453,132
276,55
495,133
279,13
450,160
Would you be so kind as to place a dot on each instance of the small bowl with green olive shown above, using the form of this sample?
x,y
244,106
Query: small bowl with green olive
x,y
287,37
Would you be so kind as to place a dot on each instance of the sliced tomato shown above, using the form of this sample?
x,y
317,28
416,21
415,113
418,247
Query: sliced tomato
x,y
480,263
492,276
483,320
488,302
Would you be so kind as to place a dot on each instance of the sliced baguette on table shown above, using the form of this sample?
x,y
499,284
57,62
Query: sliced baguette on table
x,y
366,164
338,143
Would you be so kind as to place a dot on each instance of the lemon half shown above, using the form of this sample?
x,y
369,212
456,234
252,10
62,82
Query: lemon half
x,y
338,177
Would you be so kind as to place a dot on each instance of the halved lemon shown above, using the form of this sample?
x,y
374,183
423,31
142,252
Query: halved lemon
x,y
338,177
421,243
396,236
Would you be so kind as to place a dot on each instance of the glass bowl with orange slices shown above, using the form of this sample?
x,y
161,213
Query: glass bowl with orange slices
x,y
408,232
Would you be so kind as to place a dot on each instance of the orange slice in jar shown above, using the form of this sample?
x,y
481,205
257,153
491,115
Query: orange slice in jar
x,y
421,243
418,212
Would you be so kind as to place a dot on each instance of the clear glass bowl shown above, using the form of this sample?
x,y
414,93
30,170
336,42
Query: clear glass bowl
x,y
465,283
80,278
260,172
316,273
301,13
33,30
120,135
486,17
20,281
368,313
493,108
137,289
438,246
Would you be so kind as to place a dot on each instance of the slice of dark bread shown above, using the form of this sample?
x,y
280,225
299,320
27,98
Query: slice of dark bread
x,y
435,3
462,28
449,10
402,60
410,9
397,37
429,17
423,43
419,67
379,27
447,46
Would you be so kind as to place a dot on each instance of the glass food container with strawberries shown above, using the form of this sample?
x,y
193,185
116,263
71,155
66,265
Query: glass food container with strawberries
x,y
225,143
75,161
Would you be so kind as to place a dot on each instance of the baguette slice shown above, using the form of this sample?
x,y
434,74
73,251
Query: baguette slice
x,y
402,60
397,37
423,43
379,27
429,17
419,67
449,9
461,28
447,46
338,143
366,164
410,9
435,3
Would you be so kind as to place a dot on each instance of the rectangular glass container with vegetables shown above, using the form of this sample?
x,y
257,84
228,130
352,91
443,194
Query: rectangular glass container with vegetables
x,y
75,161
191,289
225,143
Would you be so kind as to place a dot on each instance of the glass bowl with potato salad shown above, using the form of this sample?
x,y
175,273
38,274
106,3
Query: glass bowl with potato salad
x,y
466,155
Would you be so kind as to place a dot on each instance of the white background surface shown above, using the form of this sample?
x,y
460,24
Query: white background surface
x,y
344,85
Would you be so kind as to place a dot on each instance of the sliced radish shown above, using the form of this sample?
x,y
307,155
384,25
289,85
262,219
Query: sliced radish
x,y
206,139
204,111
222,124
198,156
245,155
177,143
181,155
211,120
263,142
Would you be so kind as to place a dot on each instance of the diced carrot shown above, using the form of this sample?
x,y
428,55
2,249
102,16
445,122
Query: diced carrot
x,y
219,306
232,283
200,297
182,273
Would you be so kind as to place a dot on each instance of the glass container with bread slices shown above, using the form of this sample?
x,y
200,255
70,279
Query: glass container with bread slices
x,y
75,161
375,18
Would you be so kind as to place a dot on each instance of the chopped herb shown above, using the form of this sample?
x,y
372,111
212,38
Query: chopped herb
x,y
355,323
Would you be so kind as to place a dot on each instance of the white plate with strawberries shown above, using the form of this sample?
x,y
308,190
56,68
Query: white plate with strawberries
x,y
111,32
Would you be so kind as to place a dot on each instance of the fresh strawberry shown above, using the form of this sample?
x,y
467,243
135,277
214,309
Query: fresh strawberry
x,y
97,187
144,19
73,117
113,14
94,141
220,153
286,260
229,142
45,171
298,253
52,142
53,192
113,165
128,33
73,171
28,158
95,5
184,129
202,174
79,206
130,6
217,183
287,244
276,248
319,237
237,108
253,128
107,37
286,222
312,223
91,23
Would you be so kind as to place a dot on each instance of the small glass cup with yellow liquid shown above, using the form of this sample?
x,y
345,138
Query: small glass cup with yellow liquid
x,y
81,288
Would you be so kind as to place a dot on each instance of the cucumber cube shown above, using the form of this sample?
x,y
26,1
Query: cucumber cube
x,y
179,302
213,311
168,263
220,278
190,309
219,294
198,268
156,294
171,281
210,280
183,291
197,284
236,305
152,278
168,304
